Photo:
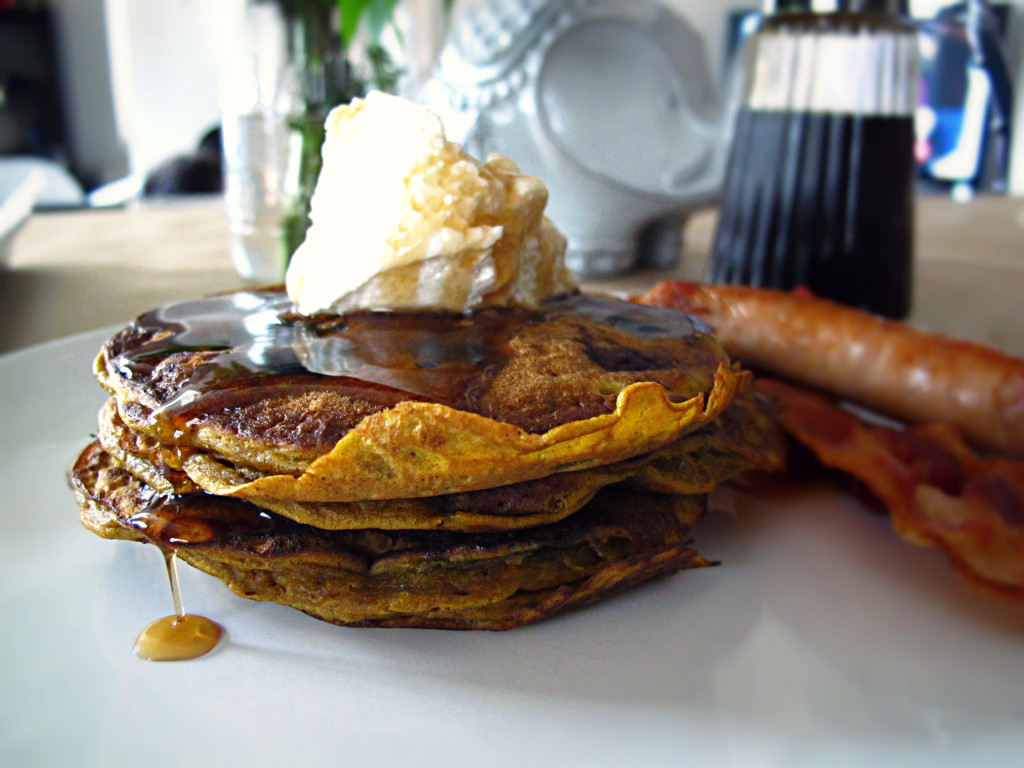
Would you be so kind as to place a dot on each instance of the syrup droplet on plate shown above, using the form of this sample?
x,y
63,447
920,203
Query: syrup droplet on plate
x,y
177,638
181,636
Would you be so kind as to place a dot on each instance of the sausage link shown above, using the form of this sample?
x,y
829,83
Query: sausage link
x,y
887,366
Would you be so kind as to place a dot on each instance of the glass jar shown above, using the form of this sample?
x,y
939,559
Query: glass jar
x,y
819,190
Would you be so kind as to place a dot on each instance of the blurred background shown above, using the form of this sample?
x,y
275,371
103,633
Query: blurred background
x,y
111,90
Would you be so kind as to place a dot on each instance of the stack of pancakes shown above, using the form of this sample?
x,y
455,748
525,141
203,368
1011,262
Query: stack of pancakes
x,y
460,471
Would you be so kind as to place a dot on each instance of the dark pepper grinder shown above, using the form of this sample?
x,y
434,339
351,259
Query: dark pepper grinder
x,y
819,190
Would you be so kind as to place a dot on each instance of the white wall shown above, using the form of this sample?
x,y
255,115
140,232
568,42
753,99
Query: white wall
x,y
164,58
139,77
96,148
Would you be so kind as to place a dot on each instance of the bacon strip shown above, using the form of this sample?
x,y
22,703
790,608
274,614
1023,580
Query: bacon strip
x,y
889,367
938,491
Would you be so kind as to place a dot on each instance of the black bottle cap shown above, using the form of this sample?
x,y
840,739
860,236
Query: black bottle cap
x,y
895,7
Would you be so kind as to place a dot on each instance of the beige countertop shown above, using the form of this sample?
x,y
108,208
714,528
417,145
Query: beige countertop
x,y
72,272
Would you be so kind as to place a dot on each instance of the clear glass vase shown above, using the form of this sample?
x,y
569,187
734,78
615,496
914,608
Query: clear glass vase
x,y
290,69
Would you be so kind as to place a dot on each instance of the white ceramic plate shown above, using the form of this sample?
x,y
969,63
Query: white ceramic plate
x,y
822,640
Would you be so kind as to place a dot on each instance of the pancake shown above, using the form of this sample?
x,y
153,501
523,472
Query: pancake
x,y
743,438
427,579
403,405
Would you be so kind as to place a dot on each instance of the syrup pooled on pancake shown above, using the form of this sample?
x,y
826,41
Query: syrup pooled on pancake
x,y
254,342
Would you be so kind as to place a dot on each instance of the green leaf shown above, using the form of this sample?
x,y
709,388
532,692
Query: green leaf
x,y
351,12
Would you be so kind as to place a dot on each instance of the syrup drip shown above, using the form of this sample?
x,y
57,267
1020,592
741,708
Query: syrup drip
x,y
175,521
180,636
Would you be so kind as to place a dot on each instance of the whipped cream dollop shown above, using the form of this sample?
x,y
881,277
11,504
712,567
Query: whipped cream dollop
x,y
402,218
